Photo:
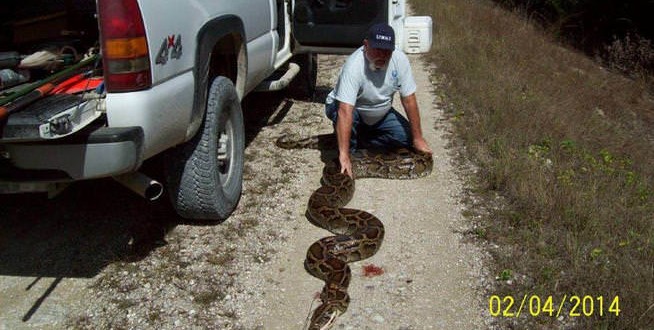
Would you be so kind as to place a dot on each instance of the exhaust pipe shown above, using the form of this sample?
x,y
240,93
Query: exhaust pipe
x,y
141,184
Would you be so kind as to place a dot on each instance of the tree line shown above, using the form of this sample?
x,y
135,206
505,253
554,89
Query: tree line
x,y
618,30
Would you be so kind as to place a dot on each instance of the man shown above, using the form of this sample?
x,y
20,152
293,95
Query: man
x,y
361,103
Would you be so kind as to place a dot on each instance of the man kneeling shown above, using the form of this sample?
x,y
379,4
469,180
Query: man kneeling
x,y
361,103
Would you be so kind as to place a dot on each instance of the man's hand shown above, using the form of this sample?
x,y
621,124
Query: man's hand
x,y
346,164
421,145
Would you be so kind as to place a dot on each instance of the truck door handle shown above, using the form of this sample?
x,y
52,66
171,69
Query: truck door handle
x,y
335,5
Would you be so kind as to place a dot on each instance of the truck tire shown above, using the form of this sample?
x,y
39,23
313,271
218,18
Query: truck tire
x,y
303,85
205,175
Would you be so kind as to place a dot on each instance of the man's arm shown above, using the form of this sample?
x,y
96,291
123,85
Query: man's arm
x,y
410,105
343,134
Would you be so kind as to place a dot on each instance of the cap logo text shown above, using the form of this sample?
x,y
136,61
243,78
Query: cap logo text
x,y
383,37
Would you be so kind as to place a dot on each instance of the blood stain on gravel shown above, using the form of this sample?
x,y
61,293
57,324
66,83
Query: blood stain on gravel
x,y
372,270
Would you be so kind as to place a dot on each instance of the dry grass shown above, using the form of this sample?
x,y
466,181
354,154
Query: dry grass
x,y
570,147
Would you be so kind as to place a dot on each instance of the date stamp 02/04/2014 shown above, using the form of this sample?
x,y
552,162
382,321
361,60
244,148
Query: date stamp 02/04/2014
x,y
550,306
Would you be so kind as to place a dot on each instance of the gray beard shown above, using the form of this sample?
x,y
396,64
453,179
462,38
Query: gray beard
x,y
372,66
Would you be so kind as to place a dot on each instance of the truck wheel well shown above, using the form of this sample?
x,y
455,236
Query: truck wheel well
x,y
225,57
221,52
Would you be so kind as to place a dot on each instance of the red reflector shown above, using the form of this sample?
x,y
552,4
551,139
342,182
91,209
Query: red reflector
x,y
127,82
121,19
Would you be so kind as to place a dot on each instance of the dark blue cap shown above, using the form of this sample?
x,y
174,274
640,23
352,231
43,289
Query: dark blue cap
x,y
381,36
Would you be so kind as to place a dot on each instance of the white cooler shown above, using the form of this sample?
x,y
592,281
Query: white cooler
x,y
417,34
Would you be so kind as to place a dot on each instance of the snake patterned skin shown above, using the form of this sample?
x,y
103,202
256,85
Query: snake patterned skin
x,y
358,234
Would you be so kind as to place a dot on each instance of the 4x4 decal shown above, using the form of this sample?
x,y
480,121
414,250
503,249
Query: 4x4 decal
x,y
170,47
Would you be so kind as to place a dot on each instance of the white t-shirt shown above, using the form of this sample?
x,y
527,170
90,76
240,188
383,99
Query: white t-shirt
x,y
371,92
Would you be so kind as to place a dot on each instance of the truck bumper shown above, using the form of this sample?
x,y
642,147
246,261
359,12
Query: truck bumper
x,y
102,152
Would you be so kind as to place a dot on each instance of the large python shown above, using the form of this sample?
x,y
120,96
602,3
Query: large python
x,y
358,234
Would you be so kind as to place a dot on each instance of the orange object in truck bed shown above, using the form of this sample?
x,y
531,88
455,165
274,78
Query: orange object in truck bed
x,y
76,84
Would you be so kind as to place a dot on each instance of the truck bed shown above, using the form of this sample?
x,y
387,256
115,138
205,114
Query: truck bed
x,y
39,39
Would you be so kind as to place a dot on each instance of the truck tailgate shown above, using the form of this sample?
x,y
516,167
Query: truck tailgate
x,y
52,117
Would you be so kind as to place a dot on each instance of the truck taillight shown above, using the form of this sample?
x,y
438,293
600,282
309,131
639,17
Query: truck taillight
x,y
125,53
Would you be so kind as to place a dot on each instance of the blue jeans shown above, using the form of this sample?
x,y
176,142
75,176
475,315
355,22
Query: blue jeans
x,y
392,131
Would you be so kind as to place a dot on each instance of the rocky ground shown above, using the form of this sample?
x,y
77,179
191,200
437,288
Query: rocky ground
x,y
100,258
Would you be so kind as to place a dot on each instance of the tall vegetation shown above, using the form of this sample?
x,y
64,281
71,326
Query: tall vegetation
x,y
620,31
568,146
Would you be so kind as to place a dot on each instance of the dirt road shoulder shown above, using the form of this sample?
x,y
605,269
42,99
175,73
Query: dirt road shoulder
x,y
430,278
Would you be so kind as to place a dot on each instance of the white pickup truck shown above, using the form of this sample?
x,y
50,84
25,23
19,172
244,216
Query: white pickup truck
x,y
145,77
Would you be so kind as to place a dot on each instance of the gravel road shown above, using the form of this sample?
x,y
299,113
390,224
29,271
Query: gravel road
x,y
98,257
